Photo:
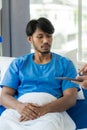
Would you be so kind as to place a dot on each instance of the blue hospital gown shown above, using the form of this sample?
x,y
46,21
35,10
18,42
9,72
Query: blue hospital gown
x,y
26,76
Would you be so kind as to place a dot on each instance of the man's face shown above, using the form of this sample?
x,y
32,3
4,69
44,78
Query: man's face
x,y
41,41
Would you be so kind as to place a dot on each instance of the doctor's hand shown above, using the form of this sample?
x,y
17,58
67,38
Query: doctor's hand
x,y
83,70
83,83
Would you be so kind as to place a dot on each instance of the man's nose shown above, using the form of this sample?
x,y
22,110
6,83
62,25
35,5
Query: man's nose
x,y
45,39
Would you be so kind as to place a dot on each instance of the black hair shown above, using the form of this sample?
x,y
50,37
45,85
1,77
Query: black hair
x,y
42,23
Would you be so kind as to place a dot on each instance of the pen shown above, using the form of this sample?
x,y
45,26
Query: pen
x,y
82,74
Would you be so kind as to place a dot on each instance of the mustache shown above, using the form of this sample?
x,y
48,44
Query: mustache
x,y
45,44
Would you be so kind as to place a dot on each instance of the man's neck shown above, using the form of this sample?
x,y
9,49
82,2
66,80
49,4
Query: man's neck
x,y
42,58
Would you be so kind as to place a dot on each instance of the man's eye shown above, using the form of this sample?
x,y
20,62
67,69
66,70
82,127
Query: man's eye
x,y
49,35
39,36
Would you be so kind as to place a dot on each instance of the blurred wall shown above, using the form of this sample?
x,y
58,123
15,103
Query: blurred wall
x,y
15,15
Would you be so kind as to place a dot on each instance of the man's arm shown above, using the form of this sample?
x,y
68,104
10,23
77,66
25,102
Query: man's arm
x,y
7,98
65,102
25,109
62,104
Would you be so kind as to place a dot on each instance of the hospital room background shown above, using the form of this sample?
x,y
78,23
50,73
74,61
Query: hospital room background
x,y
69,18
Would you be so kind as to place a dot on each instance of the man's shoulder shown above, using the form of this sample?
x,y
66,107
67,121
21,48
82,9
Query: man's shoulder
x,y
61,59
59,56
23,59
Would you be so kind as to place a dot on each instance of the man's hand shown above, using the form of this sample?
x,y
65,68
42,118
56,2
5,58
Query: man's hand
x,y
30,111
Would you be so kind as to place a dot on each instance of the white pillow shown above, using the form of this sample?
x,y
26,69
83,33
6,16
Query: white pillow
x,y
39,98
4,63
80,95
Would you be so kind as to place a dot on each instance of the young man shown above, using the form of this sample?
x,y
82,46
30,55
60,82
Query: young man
x,y
42,99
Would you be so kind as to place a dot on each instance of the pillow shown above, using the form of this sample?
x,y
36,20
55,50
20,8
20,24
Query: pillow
x,y
39,98
80,95
4,63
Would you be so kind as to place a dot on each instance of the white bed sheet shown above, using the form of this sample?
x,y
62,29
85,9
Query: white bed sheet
x,y
51,121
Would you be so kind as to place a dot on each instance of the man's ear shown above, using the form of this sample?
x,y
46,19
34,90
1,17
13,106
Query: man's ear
x,y
29,39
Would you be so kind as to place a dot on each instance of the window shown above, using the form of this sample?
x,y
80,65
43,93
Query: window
x,y
70,27
83,44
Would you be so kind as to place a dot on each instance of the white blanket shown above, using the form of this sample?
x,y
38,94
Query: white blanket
x,y
51,121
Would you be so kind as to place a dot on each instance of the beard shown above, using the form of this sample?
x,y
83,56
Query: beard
x,y
45,51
